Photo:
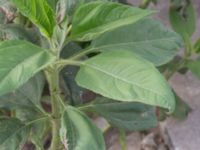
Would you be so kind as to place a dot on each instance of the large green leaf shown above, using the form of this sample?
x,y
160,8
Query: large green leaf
x,y
39,12
13,134
19,61
95,18
125,115
194,66
26,97
124,76
182,19
72,5
79,133
158,46
26,103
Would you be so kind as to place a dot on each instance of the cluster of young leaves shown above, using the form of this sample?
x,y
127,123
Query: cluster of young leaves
x,y
125,48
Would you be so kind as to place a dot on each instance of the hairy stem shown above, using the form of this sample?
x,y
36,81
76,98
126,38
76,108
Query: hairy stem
x,y
52,76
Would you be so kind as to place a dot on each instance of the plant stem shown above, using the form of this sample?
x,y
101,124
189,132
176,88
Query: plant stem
x,y
122,139
79,55
53,80
64,62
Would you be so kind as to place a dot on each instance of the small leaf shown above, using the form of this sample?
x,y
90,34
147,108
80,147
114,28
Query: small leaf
x,y
124,76
39,12
183,20
79,133
158,46
194,66
197,46
26,103
182,109
126,115
19,61
53,4
96,18
13,134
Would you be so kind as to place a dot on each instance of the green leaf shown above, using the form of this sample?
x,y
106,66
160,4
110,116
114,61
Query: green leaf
x,y
26,103
182,109
13,134
53,4
72,5
194,66
27,97
158,46
19,61
124,76
14,31
79,133
126,115
39,12
197,46
37,133
96,18
183,19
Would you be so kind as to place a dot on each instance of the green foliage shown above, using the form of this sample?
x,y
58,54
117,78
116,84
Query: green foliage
x,y
13,133
125,115
81,135
194,67
122,75
102,46
39,12
183,19
14,32
27,97
94,19
182,109
197,46
19,61
158,46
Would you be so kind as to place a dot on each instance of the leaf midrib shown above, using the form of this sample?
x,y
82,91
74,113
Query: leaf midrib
x,y
92,30
127,43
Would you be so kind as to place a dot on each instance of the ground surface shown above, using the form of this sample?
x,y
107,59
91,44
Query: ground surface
x,y
179,135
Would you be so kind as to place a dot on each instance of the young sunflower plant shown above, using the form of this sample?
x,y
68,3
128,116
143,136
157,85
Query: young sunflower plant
x,y
76,46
